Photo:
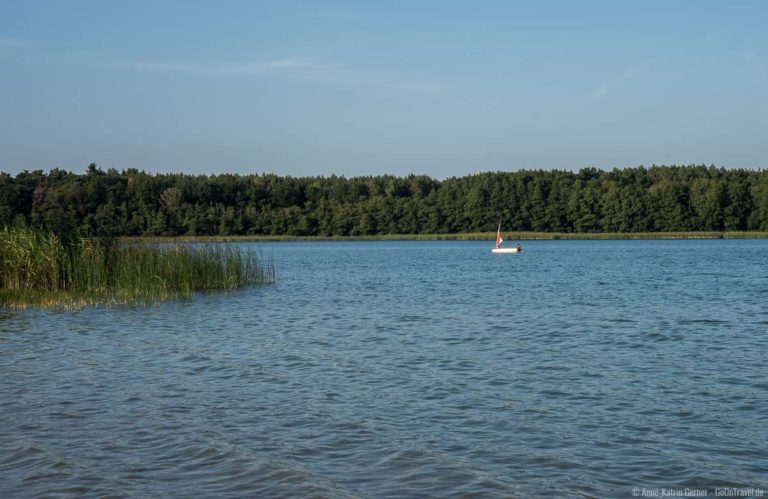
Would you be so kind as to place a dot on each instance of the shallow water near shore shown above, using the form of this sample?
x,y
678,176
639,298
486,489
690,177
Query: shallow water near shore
x,y
410,369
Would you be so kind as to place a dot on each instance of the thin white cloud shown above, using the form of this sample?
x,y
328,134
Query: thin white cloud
x,y
601,90
300,68
615,82
215,70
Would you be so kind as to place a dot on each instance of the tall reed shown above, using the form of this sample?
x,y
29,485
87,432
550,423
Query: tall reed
x,y
38,268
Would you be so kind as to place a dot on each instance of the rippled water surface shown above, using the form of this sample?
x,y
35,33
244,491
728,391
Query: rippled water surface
x,y
411,369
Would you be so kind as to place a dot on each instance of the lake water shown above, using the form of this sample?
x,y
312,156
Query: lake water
x,y
406,369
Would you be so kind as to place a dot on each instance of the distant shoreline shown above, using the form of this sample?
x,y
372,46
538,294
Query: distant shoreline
x,y
467,236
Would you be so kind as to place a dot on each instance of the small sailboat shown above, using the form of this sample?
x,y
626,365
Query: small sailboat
x,y
499,249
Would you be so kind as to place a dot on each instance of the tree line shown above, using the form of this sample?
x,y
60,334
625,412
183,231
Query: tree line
x,y
135,203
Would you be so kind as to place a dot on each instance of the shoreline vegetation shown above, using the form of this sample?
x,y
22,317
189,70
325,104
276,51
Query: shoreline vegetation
x,y
41,269
465,236
150,230
132,203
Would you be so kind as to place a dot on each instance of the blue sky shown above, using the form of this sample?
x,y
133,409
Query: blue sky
x,y
442,88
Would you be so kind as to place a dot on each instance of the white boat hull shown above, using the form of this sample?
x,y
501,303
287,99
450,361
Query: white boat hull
x,y
505,250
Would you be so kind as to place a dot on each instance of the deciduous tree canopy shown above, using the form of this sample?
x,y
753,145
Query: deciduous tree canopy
x,y
134,203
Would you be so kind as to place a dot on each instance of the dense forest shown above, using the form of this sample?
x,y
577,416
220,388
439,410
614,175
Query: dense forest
x,y
135,203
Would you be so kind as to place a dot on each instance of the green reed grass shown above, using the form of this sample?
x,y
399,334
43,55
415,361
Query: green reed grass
x,y
40,269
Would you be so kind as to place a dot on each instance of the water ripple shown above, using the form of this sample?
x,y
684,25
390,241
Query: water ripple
x,y
404,369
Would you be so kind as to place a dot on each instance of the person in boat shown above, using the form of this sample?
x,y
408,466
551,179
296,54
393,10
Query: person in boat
x,y
518,247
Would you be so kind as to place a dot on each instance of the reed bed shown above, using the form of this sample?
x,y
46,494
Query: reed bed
x,y
40,269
